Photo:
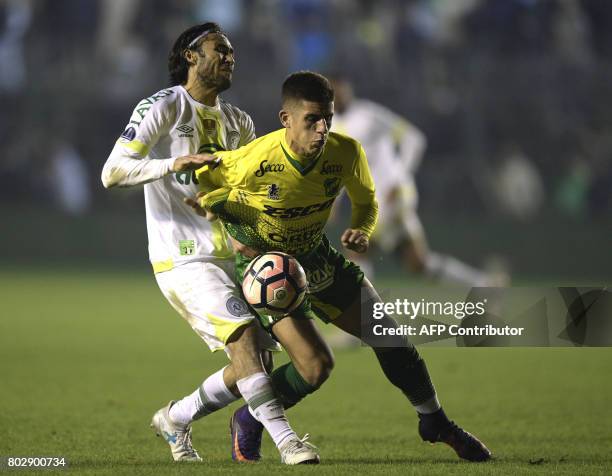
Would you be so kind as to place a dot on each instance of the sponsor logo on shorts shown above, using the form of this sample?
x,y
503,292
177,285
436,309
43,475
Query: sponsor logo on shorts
x,y
236,306
320,278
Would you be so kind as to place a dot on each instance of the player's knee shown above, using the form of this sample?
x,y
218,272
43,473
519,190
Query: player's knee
x,y
244,351
318,369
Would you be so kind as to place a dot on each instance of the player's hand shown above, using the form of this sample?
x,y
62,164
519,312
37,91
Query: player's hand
x,y
194,162
199,209
355,240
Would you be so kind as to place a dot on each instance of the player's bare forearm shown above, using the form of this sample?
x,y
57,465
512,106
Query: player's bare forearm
x,y
355,240
194,162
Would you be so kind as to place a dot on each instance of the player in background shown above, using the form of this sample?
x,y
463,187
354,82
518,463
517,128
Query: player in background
x,y
395,149
276,193
192,261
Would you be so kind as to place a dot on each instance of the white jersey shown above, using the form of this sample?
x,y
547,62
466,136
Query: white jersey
x,y
393,145
165,126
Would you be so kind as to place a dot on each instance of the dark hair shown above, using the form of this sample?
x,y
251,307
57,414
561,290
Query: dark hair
x,y
177,64
309,86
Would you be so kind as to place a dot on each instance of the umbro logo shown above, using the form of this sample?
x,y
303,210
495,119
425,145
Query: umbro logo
x,y
186,130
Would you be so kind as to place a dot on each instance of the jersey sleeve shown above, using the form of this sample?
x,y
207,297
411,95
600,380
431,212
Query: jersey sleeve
x,y
247,130
128,164
360,189
222,176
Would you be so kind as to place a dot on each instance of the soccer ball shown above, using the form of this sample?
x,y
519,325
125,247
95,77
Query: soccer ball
x,y
274,284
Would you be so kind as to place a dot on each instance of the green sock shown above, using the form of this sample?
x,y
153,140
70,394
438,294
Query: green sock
x,y
289,385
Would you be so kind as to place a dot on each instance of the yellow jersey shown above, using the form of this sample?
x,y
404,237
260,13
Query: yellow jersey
x,y
270,198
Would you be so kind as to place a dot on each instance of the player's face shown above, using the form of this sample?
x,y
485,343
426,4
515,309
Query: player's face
x,y
215,63
307,125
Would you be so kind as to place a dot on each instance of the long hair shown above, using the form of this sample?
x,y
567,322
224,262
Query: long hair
x,y
178,66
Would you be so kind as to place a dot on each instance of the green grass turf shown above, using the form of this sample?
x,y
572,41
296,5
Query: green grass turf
x,y
86,358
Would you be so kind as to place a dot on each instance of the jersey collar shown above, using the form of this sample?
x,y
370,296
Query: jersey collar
x,y
301,164
215,108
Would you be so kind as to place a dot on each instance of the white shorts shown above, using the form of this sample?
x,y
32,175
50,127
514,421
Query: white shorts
x,y
397,217
205,295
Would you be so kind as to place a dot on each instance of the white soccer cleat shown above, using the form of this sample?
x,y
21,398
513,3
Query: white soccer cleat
x,y
298,451
177,436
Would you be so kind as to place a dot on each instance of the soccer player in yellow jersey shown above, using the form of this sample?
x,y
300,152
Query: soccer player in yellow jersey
x,y
275,194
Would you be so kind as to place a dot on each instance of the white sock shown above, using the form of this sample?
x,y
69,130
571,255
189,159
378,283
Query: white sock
x,y
451,270
211,396
430,406
257,391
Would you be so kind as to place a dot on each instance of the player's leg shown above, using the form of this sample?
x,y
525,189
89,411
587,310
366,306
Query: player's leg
x,y
407,235
205,295
256,388
404,368
311,360
311,364
229,374
419,258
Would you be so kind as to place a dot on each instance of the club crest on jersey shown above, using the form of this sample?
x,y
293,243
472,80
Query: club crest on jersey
x,y
233,139
128,134
273,192
327,168
265,167
210,127
331,186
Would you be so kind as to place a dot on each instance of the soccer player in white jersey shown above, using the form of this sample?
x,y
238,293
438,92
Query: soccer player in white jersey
x,y
395,148
191,258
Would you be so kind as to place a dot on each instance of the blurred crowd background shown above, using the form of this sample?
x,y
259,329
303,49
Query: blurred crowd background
x,y
514,96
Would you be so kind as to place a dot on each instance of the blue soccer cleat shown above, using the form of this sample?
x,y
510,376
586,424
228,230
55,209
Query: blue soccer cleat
x,y
246,434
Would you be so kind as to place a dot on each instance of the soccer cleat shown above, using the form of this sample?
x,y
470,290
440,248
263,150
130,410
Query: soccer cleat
x,y
466,445
246,433
178,437
298,451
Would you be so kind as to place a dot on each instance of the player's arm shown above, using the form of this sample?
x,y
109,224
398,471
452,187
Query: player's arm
x,y
409,142
217,171
247,130
364,207
129,163
218,176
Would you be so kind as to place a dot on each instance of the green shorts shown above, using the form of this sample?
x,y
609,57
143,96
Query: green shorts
x,y
334,283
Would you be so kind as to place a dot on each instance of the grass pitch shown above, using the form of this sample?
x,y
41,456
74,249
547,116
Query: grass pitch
x,y
87,357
